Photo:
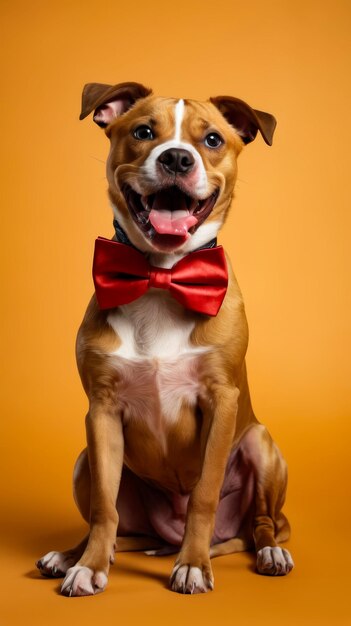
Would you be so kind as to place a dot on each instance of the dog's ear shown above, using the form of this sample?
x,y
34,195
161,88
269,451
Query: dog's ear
x,y
246,121
110,101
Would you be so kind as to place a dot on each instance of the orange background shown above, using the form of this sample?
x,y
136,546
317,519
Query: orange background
x,y
289,239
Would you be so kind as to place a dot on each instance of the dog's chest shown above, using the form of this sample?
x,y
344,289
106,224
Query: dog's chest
x,y
157,366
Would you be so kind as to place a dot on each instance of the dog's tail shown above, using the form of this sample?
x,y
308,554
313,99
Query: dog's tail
x,y
236,544
153,547
134,544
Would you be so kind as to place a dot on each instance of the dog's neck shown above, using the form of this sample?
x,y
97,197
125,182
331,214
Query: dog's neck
x,y
163,260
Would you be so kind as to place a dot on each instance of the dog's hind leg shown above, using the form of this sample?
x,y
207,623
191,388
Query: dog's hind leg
x,y
270,525
56,564
266,526
134,532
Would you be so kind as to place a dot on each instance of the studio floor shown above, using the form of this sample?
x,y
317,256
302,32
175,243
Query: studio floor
x,y
315,593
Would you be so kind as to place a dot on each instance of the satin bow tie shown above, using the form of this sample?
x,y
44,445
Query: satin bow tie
x,y
122,274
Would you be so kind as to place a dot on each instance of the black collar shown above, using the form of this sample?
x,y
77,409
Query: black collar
x,y
122,237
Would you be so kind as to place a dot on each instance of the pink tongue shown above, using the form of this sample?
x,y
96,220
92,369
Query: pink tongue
x,y
172,222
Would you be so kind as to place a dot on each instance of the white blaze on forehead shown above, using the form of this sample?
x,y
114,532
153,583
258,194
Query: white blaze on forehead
x,y
179,114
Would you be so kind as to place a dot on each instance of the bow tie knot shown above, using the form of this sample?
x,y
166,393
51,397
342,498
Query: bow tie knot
x,y
160,277
122,274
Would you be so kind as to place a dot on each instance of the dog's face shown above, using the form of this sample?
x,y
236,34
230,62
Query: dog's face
x,y
172,163
171,169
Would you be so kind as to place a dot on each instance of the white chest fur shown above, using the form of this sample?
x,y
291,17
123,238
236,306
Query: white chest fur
x,y
157,365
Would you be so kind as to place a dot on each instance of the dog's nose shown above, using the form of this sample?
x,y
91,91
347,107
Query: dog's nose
x,y
177,161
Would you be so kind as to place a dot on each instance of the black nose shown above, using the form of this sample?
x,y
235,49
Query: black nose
x,y
176,160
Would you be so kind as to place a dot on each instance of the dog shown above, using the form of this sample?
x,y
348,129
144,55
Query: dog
x,y
176,460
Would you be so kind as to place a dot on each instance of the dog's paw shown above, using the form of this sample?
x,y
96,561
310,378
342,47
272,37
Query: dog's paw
x,y
192,579
274,561
83,581
55,564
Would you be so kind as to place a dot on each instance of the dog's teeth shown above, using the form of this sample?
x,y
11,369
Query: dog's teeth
x,y
143,217
194,206
144,202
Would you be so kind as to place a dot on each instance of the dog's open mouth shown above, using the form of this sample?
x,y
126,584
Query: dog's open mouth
x,y
169,216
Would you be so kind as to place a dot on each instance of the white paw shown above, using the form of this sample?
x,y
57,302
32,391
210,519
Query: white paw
x,y
83,581
274,561
55,564
188,579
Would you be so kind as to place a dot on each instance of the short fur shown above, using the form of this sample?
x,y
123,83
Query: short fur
x,y
170,430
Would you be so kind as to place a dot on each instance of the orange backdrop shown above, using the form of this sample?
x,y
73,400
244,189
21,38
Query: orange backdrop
x,y
288,236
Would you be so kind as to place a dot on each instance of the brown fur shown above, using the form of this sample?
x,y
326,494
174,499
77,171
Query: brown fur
x,y
198,448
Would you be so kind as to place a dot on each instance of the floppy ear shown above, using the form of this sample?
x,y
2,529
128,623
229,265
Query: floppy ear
x,y
110,101
246,121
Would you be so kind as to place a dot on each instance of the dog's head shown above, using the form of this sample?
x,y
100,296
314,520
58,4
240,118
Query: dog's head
x,y
172,163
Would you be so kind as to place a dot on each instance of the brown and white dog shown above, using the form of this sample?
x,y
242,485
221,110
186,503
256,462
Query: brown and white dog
x,y
176,460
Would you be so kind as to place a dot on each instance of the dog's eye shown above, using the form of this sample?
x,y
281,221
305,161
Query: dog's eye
x,y
143,133
213,140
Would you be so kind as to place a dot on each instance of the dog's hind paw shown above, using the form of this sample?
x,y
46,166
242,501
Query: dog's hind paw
x,y
191,579
83,581
274,561
55,564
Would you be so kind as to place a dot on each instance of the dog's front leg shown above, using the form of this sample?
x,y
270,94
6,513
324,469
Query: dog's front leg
x,y
192,572
105,450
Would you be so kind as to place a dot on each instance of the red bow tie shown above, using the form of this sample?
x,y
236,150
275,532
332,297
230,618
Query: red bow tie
x,y
122,274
